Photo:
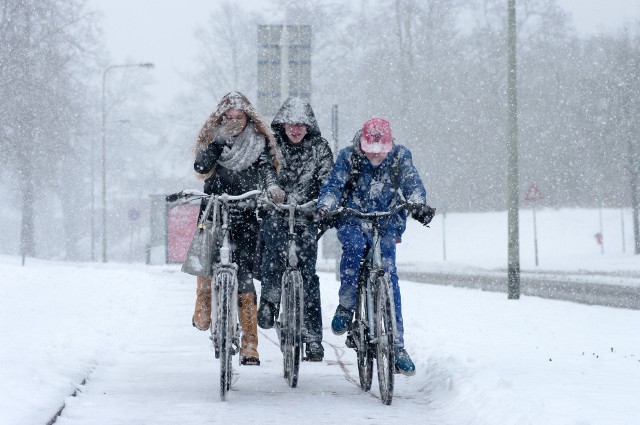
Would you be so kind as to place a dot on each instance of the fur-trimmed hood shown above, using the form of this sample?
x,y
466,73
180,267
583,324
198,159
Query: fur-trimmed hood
x,y
235,100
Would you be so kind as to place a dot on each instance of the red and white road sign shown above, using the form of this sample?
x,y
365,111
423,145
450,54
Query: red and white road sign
x,y
533,193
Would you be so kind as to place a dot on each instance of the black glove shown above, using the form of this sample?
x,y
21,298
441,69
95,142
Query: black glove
x,y
320,216
172,198
423,213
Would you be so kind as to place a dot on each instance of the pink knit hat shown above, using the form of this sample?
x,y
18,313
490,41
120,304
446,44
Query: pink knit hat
x,y
376,136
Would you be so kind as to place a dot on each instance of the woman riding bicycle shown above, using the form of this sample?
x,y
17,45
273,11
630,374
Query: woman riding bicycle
x,y
235,153
368,176
306,163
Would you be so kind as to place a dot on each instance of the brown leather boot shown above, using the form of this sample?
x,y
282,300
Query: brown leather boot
x,y
202,314
247,312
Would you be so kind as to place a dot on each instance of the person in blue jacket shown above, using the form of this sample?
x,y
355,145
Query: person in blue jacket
x,y
384,170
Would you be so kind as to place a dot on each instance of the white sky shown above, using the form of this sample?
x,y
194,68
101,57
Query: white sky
x,y
161,31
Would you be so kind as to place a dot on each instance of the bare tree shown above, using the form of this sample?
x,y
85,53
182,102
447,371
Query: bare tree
x,y
41,42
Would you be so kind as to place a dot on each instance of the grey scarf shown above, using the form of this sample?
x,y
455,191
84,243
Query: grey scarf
x,y
246,149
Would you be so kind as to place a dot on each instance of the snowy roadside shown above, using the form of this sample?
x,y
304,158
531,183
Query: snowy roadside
x,y
481,359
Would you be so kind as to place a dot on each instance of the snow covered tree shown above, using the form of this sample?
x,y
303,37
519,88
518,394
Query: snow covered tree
x,y
41,92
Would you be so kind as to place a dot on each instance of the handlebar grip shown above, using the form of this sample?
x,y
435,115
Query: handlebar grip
x,y
173,197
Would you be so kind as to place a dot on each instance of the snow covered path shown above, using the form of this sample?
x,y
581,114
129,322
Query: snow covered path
x,y
168,375
481,359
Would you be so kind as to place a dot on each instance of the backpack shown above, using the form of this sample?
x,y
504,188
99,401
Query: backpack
x,y
355,161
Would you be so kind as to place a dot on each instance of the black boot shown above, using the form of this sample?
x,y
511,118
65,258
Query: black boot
x,y
314,352
267,314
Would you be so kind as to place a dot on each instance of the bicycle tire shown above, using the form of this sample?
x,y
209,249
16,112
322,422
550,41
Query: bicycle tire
x,y
360,334
385,361
226,332
292,328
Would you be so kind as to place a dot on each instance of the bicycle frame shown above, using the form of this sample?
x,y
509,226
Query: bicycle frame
x,y
225,265
225,333
375,310
376,270
291,318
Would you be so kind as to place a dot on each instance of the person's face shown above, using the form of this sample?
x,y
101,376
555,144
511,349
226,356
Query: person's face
x,y
237,117
376,158
295,132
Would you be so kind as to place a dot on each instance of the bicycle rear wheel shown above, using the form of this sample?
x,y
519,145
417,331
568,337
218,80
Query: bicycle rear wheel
x,y
384,337
292,328
225,331
360,334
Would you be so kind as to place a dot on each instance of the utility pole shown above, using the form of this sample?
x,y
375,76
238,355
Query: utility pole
x,y
634,171
626,89
513,266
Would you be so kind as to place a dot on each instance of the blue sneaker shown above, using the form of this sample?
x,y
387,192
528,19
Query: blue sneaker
x,y
341,320
404,365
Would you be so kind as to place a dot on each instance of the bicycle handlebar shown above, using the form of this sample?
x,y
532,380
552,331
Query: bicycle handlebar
x,y
189,195
371,215
226,197
306,207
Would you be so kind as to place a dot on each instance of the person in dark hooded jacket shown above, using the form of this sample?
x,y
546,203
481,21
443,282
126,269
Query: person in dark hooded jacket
x,y
235,153
306,161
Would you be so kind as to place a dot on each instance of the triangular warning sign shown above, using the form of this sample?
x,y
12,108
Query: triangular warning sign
x,y
533,193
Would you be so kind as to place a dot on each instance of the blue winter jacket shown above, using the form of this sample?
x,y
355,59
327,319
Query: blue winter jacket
x,y
374,190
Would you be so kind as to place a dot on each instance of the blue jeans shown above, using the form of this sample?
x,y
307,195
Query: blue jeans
x,y
354,242
275,233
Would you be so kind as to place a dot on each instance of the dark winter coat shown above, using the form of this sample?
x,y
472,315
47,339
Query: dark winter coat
x,y
261,174
305,165
374,190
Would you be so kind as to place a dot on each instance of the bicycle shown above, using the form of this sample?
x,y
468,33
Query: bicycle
x,y
373,327
291,317
225,332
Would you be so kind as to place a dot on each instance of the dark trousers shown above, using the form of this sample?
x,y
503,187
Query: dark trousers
x,y
243,237
275,234
243,246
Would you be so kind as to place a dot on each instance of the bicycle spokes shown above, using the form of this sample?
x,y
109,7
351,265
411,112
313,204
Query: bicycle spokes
x,y
384,340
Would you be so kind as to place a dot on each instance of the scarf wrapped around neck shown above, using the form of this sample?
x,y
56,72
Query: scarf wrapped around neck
x,y
245,150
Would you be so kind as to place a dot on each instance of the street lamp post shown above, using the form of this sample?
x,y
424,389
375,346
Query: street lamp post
x,y
93,201
104,148
513,248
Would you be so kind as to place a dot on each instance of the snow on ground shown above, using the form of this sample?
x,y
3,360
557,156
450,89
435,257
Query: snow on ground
x,y
481,359
566,242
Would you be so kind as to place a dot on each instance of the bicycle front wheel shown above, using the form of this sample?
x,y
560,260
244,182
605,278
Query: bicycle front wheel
x,y
384,338
360,334
225,331
292,328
